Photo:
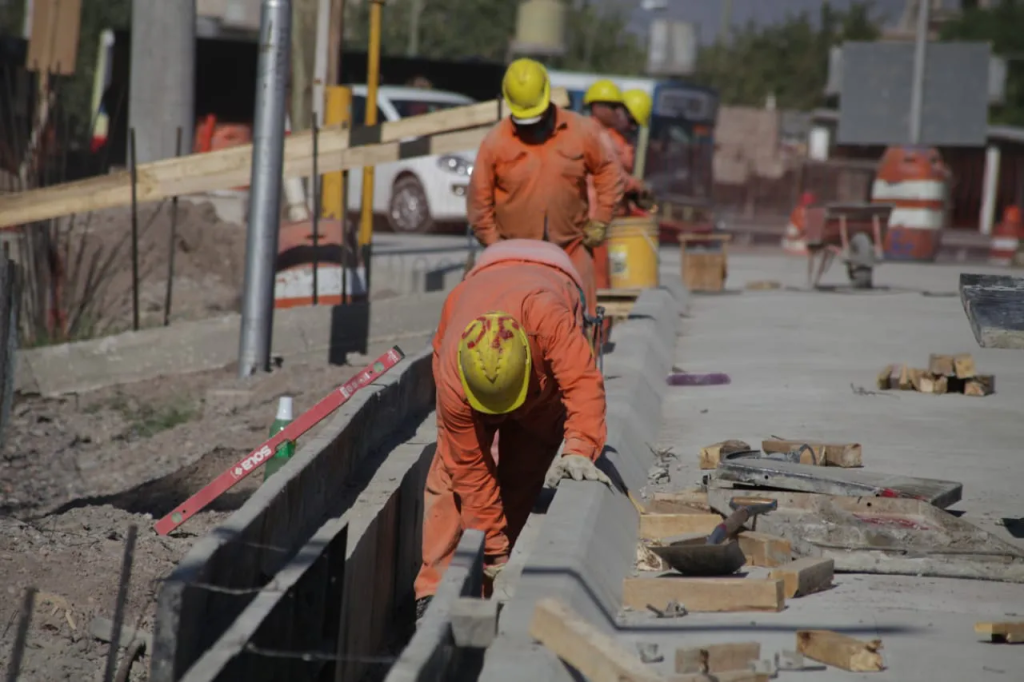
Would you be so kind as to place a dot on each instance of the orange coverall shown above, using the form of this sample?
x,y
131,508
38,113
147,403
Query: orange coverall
x,y
539,191
465,488
620,149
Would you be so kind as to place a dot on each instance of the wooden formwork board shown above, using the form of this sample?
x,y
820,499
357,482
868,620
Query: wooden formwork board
x,y
439,132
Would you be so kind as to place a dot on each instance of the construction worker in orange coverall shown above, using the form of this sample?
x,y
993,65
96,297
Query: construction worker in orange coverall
x,y
608,108
529,179
510,359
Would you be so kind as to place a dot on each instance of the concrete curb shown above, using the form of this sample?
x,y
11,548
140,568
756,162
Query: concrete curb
x,y
239,557
586,544
328,332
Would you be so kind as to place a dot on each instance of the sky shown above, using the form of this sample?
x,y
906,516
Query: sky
x,y
707,13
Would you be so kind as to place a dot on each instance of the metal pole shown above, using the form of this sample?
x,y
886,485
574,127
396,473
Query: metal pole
x,y
372,81
172,246
321,58
314,183
135,229
920,57
412,48
265,188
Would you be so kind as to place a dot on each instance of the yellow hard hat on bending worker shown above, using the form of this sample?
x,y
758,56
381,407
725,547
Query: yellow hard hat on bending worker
x,y
527,90
494,363
639,105
603,90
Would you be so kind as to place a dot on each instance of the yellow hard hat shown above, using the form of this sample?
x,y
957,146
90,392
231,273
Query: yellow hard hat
x,y
527,90
638,104
494,363
603,91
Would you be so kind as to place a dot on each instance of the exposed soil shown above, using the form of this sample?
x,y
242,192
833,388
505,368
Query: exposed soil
x,y
95,251
76,472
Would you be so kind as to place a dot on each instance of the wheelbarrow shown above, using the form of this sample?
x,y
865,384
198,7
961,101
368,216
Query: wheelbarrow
x,y
854,232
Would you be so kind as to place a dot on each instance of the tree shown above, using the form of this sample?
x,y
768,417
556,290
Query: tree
x,y
1001,27
788,60
481,29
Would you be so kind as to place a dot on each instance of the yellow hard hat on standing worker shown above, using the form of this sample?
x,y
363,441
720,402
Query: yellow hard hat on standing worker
x,y
494,363
527,90
638,104
603,91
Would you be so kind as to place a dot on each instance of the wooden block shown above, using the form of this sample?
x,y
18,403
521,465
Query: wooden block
x,y
941,365
598,657
941,386
682,502
705,594
1011,632
981,385
730,676
845,455
765,550
805,576
839,650
711,455
925,384
909,378
963,366
660,526
716,658
885,378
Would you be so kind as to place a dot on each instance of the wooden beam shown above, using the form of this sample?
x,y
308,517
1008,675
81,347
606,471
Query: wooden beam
x,y
661,526
339,149
765,550
705,594
681,502
717,658
595,655
845,455
711,455
839,650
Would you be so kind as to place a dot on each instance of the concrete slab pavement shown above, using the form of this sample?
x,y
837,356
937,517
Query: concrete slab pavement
x,y
793,356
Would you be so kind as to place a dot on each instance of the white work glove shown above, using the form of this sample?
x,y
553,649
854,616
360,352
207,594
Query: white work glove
x,y
576,467
491,571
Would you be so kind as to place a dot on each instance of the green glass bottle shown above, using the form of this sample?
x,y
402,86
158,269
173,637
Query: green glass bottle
x,y
286,449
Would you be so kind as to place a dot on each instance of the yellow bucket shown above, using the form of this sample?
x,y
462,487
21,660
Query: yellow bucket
x,y
633,252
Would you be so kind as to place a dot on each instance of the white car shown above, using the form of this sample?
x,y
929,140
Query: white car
x,y
416,193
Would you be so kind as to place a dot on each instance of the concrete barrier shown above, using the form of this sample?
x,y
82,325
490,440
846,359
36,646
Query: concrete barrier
x,y
587,541
227,571
321,332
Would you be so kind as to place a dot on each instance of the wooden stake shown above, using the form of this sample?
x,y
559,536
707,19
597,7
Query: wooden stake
x,y
595,655
839,650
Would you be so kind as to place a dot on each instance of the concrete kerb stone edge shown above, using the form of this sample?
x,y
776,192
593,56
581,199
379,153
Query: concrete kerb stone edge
x,y
586,544
428,656
264,520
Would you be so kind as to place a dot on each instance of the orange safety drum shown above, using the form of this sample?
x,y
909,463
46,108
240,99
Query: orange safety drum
x,y
915,181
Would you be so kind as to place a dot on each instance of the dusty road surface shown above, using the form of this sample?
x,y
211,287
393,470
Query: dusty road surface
x,y
792,357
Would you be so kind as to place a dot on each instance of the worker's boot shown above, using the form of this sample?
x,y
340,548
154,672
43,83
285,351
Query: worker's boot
x,y
421,608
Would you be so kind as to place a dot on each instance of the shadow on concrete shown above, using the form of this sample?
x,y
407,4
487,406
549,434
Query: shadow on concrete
x,y
350,331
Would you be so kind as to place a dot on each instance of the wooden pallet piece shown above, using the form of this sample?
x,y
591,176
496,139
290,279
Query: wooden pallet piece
x,y
705,594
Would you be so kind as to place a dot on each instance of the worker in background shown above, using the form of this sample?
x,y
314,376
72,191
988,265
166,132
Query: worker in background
x,y
607,107
638,105
510,359
529,179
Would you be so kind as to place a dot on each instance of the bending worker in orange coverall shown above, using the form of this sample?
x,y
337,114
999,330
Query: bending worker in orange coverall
x,y
510,360
608,107
529,179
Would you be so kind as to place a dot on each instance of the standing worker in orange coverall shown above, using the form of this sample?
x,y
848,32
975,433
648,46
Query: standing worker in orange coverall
x,y
608,108
510,360
529,179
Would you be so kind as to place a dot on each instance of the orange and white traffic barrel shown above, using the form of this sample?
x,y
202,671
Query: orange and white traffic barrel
x,y
1006,237
296,259
915,181
793,240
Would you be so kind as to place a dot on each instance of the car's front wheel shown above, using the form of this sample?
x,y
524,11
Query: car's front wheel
x,y
408,211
